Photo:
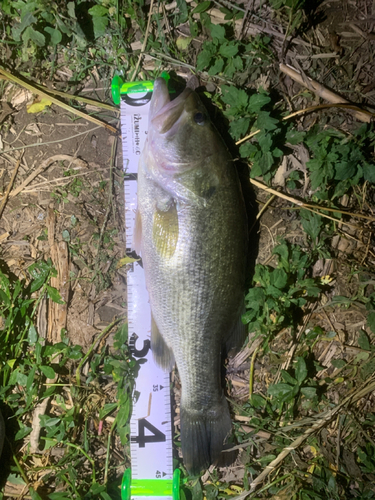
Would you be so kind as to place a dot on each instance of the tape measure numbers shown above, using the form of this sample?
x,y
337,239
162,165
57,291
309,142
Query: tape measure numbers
x,y
151,448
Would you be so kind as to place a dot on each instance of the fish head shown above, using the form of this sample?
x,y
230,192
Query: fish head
x,y
181,136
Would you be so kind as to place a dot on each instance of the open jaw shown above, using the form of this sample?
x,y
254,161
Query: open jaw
x,y
165,113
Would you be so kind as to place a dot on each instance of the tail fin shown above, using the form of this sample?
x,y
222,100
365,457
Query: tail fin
x,y
203,434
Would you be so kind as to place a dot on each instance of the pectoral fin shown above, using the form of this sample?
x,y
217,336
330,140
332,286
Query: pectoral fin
x,y
163,355
165,231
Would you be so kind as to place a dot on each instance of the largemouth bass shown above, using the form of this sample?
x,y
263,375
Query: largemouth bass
x,y
191,233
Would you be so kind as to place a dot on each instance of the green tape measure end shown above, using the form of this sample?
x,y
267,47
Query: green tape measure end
x,y
116,84
150,487
119,87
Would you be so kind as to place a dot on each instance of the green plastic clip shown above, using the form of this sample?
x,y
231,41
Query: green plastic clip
x,y
150,487
120,87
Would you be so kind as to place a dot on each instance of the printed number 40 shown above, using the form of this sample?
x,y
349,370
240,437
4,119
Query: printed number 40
x,y
156,437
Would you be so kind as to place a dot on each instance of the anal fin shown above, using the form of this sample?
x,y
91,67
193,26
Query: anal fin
x,y
163,355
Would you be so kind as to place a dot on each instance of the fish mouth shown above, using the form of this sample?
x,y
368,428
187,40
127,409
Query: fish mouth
x,y
165,114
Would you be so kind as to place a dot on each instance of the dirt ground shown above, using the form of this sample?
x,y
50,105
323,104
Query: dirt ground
x,y
69,196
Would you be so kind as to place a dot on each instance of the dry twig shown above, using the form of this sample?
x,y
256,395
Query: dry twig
x,y
322,91
10,185
312,208
43,166
42,93
327,417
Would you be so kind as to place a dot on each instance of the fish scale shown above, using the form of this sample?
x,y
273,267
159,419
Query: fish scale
x,y
195,280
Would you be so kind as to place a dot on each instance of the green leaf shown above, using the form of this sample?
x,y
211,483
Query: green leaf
x,y
266,122
294,136
300,370
34,36
338,363
193,26
183,14
26,19
371,321
22,433
71,9
183,42
55,35
233,64
16,479
363,341
66,235
59,495
54,295
288,378
368,369
32,334
49,443
121,336
4,299
235,98
203,60
279,278
124,413
274,292
257,101
345,170
100,24
317,177
201,7
311,223
21,378
308,392
16,33
255,297
265,162
228,49
342,300
48,371
283,392
47,421
63,27
123,434
107,409
40,272
369,172
197,492
266,459
217,31
34,495
30,378
98,11
257,401
17,290
97,488
217,67
239,127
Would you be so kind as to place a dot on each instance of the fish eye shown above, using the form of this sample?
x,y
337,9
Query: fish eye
x,y
199,118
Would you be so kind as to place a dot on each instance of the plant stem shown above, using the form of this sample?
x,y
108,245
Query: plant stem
x,y
88,354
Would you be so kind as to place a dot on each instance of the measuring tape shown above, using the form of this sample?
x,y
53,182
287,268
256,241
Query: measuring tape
x,y
151,448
